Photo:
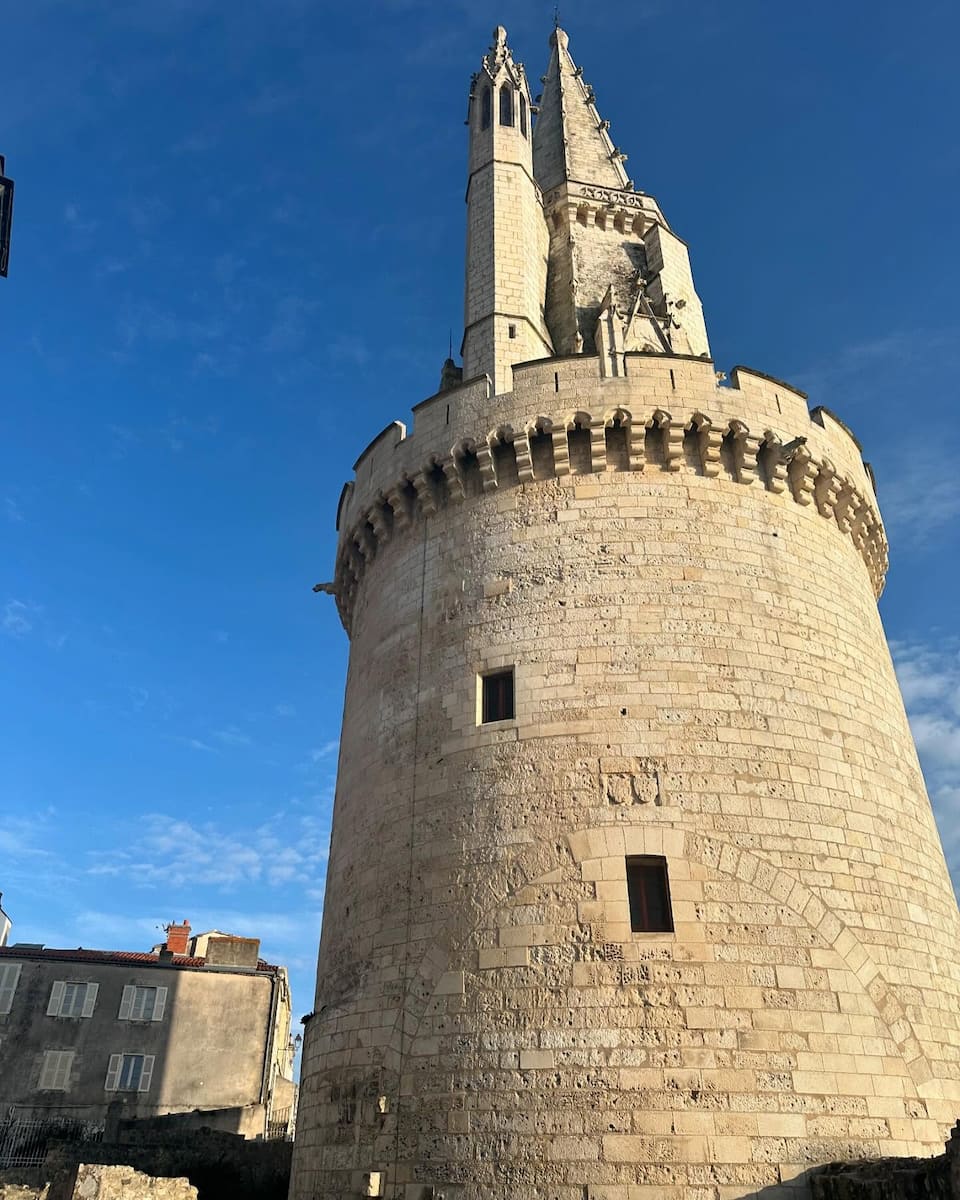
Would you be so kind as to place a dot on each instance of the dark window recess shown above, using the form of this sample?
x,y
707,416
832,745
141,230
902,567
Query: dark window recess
x,y
498,697
523,115
485,104
506,105
649,891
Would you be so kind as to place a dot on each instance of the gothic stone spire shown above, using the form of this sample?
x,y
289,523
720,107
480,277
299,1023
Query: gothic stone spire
x,y
571,140
618,278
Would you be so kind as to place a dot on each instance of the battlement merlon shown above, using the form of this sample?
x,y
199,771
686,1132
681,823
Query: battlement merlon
x,y
757,430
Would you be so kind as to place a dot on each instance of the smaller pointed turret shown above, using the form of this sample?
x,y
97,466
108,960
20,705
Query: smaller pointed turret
x,y
506,236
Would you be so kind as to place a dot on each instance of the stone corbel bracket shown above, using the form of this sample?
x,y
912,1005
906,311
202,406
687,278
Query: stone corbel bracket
x,y
541,450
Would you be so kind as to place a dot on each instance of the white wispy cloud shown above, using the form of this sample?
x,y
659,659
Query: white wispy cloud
x,y
921,497
232,736
76,222
12,510
18,618
170,852
929,678
197,744
868,382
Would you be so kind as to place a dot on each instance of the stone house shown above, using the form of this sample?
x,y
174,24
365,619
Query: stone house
x,y
87,1033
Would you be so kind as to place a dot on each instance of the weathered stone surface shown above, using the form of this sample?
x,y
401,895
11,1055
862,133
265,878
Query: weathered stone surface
x,y
96,1182
683,578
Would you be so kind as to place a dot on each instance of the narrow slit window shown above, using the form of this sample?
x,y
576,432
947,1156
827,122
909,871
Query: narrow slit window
x,y
498,697
648,889
506,105
485,105
523,115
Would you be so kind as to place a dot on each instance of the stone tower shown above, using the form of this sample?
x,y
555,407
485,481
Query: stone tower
x,y
634,890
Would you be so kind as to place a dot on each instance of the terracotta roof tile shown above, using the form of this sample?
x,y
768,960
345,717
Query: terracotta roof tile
x,y
116,957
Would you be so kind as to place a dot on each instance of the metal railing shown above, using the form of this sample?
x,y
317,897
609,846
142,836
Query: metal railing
x,y
279,1126
24,1143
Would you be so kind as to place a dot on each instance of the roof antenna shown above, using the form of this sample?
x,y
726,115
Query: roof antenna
x,y
450,345
556,16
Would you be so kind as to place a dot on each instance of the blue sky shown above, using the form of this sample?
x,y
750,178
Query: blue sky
x,y
238,251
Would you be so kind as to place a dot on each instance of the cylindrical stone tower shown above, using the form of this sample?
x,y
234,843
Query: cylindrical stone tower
x,y
634,888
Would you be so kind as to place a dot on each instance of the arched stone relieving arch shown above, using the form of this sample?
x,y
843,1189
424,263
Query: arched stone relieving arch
x,y
583,444
588,849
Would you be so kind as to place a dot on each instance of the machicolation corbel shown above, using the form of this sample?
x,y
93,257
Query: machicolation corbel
x,y
581,444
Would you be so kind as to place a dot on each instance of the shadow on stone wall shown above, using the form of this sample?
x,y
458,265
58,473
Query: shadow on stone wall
x,y
220,1165
893,1178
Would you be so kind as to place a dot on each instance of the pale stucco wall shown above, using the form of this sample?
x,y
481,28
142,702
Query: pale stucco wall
x,y
209,1046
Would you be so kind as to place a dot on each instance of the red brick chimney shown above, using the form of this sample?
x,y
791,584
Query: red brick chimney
x,y
177,938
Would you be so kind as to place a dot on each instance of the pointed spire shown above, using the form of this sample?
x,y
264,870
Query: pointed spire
x,y
570,141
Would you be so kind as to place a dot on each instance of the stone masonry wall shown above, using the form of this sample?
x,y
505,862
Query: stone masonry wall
x,y
95,1182
701,673
935,1178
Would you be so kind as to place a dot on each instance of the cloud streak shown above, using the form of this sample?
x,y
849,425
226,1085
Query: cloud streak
x,y
930,682
170,852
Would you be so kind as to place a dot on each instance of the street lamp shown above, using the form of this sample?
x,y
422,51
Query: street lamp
x,y
6,217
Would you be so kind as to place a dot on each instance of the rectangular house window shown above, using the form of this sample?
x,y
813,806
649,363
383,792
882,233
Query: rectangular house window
x,y
648,890
9,977
72,999
129,1073
498,696
55,1072
143,1003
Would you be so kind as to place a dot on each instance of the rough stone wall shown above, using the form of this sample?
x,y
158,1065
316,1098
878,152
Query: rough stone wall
x,y
20,1191
701,673
222,1166
96,1182
935,1178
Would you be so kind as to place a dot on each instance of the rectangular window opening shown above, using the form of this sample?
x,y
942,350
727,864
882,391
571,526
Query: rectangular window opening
x,y
129,1073
648,890
9,977
142,1003
69,999
498,696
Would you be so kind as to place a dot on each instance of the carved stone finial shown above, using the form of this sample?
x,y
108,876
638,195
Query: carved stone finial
x,y
499,51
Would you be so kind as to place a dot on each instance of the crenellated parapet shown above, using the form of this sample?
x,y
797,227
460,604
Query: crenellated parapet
x,y
402,481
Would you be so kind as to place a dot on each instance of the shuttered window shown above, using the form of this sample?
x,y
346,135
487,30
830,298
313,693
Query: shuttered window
x,y
143,1003
129,1073
69,999
9,977
55,1072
